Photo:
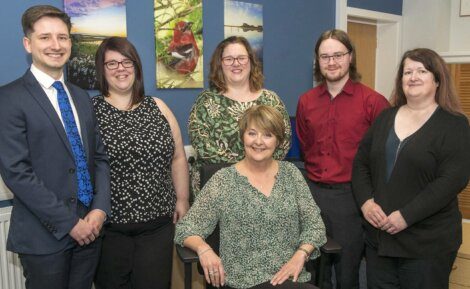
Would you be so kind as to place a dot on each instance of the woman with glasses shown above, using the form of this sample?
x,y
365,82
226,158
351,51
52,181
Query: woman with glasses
x,y
149,173
236,83
408,171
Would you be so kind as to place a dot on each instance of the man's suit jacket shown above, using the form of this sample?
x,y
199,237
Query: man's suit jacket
x,y
37,164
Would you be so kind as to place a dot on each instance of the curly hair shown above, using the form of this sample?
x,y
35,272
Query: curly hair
x,y
216,75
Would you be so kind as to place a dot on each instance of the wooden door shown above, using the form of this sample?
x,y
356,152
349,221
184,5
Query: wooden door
x,y
364,38
461,75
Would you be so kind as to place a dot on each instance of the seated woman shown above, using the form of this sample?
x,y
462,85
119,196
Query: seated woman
x,y
269,223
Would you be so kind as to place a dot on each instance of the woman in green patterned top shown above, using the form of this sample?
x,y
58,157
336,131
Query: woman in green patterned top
x,y
236,83
269,222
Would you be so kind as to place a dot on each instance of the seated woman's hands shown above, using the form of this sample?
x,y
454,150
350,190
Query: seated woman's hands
x,y
212,266
294,266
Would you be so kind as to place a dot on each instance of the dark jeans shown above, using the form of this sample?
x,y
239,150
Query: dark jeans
x,y
404,273
136,256
343,223
286,285
72,268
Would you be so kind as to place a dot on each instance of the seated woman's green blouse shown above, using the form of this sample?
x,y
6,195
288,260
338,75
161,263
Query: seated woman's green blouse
x,y
258,234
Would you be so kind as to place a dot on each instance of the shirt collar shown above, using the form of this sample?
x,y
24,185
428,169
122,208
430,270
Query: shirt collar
x,y
43,78
348,88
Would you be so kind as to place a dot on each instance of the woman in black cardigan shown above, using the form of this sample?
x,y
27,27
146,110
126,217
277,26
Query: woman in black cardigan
x,y
408,171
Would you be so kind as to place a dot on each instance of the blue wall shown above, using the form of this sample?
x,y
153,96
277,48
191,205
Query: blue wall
x,y
290,31
386,6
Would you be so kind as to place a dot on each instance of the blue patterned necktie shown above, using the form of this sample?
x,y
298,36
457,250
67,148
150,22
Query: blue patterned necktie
x,y
85,194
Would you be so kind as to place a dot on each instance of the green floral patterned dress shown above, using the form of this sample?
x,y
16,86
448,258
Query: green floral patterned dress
x,y
213,129
258,234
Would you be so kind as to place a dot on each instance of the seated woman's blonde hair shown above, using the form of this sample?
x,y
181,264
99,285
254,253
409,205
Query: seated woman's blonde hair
x,y
266,118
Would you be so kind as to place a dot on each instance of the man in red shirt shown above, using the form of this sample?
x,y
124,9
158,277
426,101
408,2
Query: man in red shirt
x,y
331,120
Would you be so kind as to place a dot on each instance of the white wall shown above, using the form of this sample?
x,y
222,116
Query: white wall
x,y
437,24
459,29
426,23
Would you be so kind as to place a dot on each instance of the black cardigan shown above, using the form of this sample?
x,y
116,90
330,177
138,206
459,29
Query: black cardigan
x,y
433,167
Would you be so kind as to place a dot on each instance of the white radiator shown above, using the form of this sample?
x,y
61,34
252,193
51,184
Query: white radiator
x,y
11,273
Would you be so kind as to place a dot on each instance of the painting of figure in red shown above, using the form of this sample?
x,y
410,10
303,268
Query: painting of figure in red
x,y
183,48
178,36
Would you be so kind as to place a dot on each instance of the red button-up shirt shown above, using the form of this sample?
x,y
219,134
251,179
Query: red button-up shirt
x,y
330,130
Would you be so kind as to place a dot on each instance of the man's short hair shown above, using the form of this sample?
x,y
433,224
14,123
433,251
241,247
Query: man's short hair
x,y
34,13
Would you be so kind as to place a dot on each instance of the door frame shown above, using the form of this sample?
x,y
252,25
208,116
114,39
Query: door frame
x,y
389,41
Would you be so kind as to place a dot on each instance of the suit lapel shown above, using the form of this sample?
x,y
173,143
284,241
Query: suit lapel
x,y
36,91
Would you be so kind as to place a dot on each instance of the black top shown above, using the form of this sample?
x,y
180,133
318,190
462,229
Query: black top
x,y
432,167
140,146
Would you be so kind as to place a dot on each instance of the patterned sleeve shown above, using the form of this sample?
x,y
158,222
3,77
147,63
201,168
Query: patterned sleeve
x,y
277,103
203,216
311,224
199,132
213,130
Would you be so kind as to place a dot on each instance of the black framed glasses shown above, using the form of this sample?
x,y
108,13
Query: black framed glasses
x,y
230,60
113,64
324,58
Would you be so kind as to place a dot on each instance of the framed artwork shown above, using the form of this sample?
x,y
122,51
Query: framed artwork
x,y
464,7
245,19
178,44
92,21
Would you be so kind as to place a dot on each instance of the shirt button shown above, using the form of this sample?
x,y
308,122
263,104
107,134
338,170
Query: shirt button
x,y
72,170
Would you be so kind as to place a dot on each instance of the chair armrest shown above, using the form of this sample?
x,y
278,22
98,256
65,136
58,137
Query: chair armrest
x,y
331,247
186,255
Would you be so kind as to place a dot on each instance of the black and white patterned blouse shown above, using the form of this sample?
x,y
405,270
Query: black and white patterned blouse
x,y
140,147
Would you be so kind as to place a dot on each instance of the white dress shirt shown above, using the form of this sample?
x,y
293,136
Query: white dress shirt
x,y
46,82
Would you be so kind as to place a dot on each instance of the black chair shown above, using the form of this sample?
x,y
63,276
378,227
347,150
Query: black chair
x,y
188,256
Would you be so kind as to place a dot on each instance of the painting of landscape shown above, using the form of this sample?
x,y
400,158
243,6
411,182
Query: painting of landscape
x,y
245,19
92,21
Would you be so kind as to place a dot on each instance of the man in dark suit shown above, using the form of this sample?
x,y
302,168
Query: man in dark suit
x,y
53,160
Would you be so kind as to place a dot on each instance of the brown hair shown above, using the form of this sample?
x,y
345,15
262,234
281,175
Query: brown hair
x,y
34,13
266,118
446,95
342,37
216,75
125,47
